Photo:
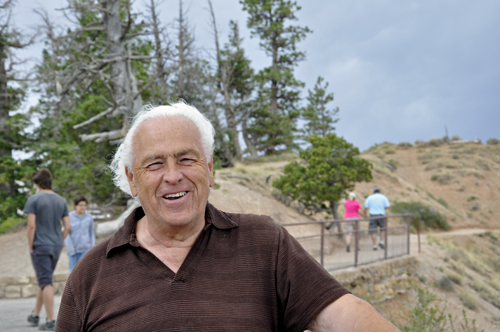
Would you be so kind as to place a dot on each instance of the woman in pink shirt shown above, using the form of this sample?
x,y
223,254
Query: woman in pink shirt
x,y
351,212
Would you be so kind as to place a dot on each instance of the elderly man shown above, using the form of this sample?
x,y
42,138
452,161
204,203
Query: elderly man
x,y
180,264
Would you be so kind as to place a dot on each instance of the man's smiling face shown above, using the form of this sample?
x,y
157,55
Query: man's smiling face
x,y
171,175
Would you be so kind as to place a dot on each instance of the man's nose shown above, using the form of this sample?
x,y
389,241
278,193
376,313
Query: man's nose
x,y
172,172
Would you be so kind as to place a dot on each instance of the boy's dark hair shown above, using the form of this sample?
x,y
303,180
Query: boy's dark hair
x,y
80,198
43,178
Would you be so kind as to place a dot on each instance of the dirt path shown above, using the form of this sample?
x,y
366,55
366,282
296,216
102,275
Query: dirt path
x,y
15,260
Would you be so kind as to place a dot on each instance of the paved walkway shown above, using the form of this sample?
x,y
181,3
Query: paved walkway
x,y
13,314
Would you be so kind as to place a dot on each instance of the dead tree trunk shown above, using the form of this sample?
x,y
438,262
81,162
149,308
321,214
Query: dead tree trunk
x,y
161,72
122,77
224,84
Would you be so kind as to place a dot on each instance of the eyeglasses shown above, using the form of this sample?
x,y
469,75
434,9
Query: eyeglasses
x,y
82,205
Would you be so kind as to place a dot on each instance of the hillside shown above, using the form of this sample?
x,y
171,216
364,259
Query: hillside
x,y
460,181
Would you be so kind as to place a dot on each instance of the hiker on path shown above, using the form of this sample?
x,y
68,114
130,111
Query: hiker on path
x,y
180,264
377,205
352,207
81,237
45,211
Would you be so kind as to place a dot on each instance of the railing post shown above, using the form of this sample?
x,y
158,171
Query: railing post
x,y
408,221
385,236
322,244
356,242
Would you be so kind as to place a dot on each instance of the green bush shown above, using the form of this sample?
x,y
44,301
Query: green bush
x,y
456,278
467,300
444,178
445,283
493,141
424,215
442,202
405,145
11,223
424,317
436,142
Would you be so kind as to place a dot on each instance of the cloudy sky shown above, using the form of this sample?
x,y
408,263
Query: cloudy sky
x,y
401,71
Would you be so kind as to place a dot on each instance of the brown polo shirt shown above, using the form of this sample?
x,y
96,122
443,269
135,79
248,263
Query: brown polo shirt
x,y
243,273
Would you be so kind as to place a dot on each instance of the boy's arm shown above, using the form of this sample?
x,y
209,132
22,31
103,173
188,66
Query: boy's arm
x,y
31,230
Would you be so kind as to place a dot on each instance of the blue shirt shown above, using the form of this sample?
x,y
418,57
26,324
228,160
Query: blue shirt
x,y
81,237
377,203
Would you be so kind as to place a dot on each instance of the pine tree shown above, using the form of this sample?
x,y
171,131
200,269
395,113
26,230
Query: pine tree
x,y
319,120
14,174
273,122
328,169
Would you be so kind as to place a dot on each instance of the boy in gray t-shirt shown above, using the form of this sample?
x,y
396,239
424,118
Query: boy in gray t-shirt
x,y
45,211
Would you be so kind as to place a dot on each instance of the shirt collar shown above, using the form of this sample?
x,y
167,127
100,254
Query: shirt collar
x,y
126,233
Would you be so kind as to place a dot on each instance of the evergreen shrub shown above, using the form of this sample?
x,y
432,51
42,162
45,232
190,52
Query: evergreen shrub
x,y
424,215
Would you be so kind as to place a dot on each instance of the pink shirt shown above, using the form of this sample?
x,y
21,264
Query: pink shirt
x,y
351,209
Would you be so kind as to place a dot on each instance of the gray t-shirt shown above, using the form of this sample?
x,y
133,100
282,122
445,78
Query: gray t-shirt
x,y
49,209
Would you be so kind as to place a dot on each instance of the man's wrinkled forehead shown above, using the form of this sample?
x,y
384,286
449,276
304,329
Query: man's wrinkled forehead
x,y
152,126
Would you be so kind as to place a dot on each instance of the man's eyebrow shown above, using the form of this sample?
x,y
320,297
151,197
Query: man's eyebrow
x,y
184,152
160,156
151,158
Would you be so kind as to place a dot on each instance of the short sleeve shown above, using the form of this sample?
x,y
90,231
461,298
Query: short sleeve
x,y
30,207
65,210
305,288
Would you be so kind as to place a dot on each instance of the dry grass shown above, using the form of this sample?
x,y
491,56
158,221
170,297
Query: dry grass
x,y
467,300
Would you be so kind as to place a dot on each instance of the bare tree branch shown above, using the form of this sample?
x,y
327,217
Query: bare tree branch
x,y
103,137
94,118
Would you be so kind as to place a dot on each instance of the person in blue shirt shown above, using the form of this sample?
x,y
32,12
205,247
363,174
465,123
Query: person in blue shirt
x,y
377,204
81,237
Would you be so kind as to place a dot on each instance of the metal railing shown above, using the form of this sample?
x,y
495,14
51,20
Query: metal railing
x,y
330,249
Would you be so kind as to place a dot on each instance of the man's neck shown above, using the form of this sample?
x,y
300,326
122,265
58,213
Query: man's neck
x,y
168,236
45,190
170,244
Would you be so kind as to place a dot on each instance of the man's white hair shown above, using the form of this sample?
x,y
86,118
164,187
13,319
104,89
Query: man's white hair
x,y
124,156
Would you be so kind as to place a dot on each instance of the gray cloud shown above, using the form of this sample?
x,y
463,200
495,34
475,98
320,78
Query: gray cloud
x,y
400,70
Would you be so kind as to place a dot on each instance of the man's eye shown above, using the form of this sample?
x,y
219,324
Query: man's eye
x,y
154,166
187,160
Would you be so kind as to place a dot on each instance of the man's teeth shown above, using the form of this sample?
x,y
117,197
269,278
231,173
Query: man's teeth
x,y
175,195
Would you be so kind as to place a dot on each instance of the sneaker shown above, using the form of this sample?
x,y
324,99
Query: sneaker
x,y
348,248
33,320
50,325
381,245
375,248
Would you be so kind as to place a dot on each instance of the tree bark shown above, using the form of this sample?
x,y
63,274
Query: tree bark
x,y
122,78
334,208
246,136
161,73
182,56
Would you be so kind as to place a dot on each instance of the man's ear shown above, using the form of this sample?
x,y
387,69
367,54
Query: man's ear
x,y
211,180
130,178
